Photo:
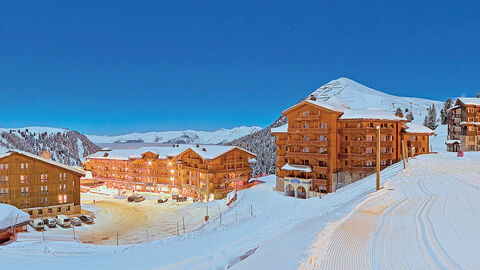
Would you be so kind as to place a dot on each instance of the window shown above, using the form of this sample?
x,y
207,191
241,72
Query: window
x,y
23,179
24,165
63,176
6,191
306,138
43,178
306,150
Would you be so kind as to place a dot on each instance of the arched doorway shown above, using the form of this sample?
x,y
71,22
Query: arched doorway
x,y
301,193
290,190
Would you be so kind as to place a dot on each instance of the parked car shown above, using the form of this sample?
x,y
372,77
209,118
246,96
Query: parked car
x,y
139,199
63,221
86,219
37,224
76,221
162,200
50,222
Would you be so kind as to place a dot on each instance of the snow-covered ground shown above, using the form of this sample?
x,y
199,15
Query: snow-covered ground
x,y
426,217
186,136
285,233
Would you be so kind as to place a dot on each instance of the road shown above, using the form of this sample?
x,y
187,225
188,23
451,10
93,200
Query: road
x,y
424,218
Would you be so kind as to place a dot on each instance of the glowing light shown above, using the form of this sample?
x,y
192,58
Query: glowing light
x,y
169,163
172,171
171,178
149,163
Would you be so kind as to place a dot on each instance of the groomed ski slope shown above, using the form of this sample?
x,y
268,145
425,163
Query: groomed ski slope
x,y
288,233
426,217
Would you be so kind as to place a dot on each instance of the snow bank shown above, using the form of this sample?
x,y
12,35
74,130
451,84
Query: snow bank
x,y
10,215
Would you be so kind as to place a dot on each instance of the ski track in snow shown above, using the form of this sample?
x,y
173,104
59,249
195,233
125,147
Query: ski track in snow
x,y
423,219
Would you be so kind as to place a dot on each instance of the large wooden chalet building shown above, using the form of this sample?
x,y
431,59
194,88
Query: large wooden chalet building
x,y
464,125
39,186
202,171
326,145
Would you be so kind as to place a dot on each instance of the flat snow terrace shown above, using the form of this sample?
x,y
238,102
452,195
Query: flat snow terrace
x,y
426,217
285,233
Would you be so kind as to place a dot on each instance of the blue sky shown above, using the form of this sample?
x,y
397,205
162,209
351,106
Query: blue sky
x,y
112,67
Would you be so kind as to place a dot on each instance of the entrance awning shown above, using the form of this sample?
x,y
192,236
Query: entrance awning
x,y
297,167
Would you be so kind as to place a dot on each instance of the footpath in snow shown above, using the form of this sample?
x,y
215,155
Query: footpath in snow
x,y
426,217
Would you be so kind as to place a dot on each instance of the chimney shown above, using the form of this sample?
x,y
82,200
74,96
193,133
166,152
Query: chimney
x,y
312,97
197,145
204,149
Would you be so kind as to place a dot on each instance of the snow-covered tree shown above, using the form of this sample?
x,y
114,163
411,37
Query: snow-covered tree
x,y
410,117
444,111
478,94
430,119
399,112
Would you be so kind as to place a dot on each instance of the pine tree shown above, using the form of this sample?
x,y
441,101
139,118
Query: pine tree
x,y
410,117
444,113
478,94
430,120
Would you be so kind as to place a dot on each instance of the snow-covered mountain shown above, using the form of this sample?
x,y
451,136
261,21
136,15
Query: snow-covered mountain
x,y
351,93
358,96
187,136
65,146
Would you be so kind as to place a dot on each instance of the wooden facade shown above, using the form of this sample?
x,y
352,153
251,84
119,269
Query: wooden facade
x,y
38,186
322,148
464,125
197,171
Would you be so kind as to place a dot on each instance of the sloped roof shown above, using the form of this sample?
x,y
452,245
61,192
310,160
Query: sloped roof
x,y
9,214
370,115
49,161
470,101
211,151
416,128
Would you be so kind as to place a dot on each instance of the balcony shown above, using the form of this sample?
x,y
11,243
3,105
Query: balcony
x,y
365,130
307,154
308,130
307,117
320,169
320,182
303,142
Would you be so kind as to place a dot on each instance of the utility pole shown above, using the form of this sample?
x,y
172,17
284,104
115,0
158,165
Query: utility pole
x,y
403,154
378,158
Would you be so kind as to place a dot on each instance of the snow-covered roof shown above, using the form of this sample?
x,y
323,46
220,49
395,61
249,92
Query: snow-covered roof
x,y
470,123
370,114
11,216
211,151
280,129
416,128
451,141
49,161
470,101
330,106
296,167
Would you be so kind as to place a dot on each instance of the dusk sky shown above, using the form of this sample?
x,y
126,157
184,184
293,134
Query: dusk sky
x,y
114,67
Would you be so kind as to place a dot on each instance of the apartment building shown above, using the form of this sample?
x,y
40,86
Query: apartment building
x,y
326,145
464,125
202,171
39,186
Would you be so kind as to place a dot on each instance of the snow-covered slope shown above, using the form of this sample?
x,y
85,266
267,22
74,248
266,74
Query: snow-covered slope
x,y
358,96
187,136
355,96
65,146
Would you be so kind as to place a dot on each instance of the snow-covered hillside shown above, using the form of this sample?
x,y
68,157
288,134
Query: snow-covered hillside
x,y
430,224
356,96
187,136
65,146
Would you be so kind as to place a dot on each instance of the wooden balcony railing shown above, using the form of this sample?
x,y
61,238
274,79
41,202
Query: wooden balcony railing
x,y
307,154
308,130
